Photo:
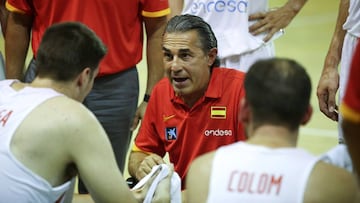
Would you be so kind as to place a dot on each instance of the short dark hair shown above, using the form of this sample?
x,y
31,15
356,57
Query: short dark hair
x,y
278,91
187,22
66,49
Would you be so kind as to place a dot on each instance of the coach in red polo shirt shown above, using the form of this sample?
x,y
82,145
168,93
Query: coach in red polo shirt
x,y
194,109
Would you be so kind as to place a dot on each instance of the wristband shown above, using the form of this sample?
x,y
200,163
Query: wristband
x,y
146,98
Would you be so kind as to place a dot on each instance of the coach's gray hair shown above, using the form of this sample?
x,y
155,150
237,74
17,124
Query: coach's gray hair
x,y
187,22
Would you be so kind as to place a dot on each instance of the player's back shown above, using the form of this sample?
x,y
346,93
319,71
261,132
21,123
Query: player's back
x,y
27,144
250,173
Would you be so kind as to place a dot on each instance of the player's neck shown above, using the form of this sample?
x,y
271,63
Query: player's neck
x,y
63,88
273,136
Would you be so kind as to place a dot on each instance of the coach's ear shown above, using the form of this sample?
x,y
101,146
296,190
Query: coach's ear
x,y
212,56
307,115
244,114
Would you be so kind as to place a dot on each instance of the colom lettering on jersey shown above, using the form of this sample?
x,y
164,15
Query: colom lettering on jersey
x,y
4,116
254,183
219,6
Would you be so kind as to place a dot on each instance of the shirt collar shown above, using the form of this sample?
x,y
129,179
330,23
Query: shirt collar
x,y
213,91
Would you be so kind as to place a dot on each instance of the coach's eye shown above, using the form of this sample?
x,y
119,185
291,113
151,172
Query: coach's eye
x,y
185,56
168,57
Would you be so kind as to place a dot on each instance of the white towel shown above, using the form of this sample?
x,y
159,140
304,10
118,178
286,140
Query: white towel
x,y
175,190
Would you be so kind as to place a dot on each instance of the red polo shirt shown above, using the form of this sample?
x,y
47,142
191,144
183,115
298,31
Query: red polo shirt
x,y
185,133
117,22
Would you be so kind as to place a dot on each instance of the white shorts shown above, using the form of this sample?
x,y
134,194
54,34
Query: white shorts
x,y
348,49
243,61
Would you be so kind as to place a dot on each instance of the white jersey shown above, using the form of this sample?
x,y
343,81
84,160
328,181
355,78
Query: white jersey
x,y
338,156
352,24
229,21
243,172
17,182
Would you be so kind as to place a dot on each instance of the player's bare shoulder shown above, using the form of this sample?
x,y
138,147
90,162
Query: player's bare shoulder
x,y
63,115
329,183
198,176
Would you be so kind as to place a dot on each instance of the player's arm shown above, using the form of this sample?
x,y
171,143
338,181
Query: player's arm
x,y
329,79
91,152
275,19
176,7
154,27
198,179
17,40
140,163
3,16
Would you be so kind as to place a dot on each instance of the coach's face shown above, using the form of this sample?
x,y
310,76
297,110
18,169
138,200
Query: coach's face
x,y
186,64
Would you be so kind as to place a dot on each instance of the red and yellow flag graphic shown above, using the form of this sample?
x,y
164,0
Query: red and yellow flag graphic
x,y
218,112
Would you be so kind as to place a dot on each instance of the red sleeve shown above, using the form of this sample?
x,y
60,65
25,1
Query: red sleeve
x,y
148,138
20,6
155,8
351,102
241,135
